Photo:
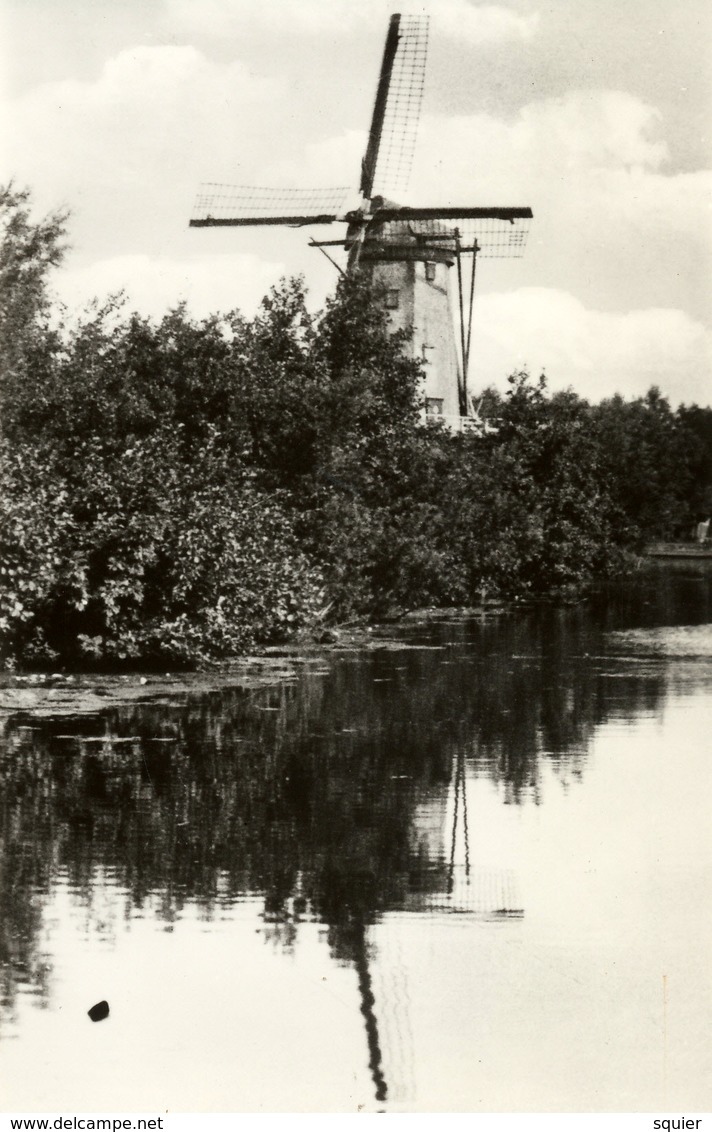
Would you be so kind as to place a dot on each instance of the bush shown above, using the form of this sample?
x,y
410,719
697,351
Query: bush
x,y
143,558
34,528
181,491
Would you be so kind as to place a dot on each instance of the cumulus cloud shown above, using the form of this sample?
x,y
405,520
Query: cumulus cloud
x,y
547,141
603,143
597,353
550,142
210,284
333,161
132,144
450,19
479,23
612,222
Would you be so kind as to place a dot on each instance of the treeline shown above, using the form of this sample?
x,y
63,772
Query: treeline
x,y
181,491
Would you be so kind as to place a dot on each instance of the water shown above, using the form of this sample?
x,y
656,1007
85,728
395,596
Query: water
x,y
469,871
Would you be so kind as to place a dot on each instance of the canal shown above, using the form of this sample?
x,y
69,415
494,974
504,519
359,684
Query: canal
x,y
465,868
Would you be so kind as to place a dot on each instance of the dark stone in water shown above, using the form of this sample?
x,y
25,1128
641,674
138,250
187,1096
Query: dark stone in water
x,y
99,1011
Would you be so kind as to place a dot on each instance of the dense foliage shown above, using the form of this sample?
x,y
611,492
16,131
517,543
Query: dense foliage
x,y
181,491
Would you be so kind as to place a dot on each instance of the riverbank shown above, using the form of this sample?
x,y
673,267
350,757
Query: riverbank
x,y
67,693
679,550
83,693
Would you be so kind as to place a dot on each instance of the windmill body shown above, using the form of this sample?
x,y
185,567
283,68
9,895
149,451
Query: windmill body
x,y
414,280
421,261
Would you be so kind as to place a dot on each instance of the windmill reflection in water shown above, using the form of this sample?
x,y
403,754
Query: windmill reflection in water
x,y
448,883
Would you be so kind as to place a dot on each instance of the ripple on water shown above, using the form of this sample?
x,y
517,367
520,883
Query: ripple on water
x,y
668,640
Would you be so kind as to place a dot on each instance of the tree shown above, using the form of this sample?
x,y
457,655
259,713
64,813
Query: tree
x,y
648,453
697,423
29,251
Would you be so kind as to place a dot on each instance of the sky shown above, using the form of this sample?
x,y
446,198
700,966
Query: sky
x,y
595,113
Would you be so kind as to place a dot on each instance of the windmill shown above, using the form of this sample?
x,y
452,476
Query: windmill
x,y
407,253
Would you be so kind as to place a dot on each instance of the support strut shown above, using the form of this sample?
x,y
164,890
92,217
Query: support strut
x,y
462,376
466,363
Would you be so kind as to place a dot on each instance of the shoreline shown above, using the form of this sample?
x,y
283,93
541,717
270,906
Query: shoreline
x,y
67,693
678,550
85,693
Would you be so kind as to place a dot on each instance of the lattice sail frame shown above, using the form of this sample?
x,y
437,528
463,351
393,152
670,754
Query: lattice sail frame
x,y
399,130
249,204
490,236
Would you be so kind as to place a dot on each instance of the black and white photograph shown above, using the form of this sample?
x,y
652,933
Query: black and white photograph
x,y
355,562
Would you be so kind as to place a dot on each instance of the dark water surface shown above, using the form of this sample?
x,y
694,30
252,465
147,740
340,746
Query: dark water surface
x,y
469,872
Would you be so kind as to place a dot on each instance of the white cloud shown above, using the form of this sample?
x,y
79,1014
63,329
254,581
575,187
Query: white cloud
x,y
450,19
548,144
603,144
479,23
214,283
597,353
612,222
126,147
333,161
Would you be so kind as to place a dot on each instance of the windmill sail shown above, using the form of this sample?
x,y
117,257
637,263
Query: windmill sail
x,y
370,159
494,232
218,204
396,113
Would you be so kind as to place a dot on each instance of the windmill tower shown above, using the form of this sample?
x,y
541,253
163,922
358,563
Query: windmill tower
x,y
423,260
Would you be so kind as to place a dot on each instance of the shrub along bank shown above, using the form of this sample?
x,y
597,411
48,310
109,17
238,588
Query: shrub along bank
x,y
181,491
